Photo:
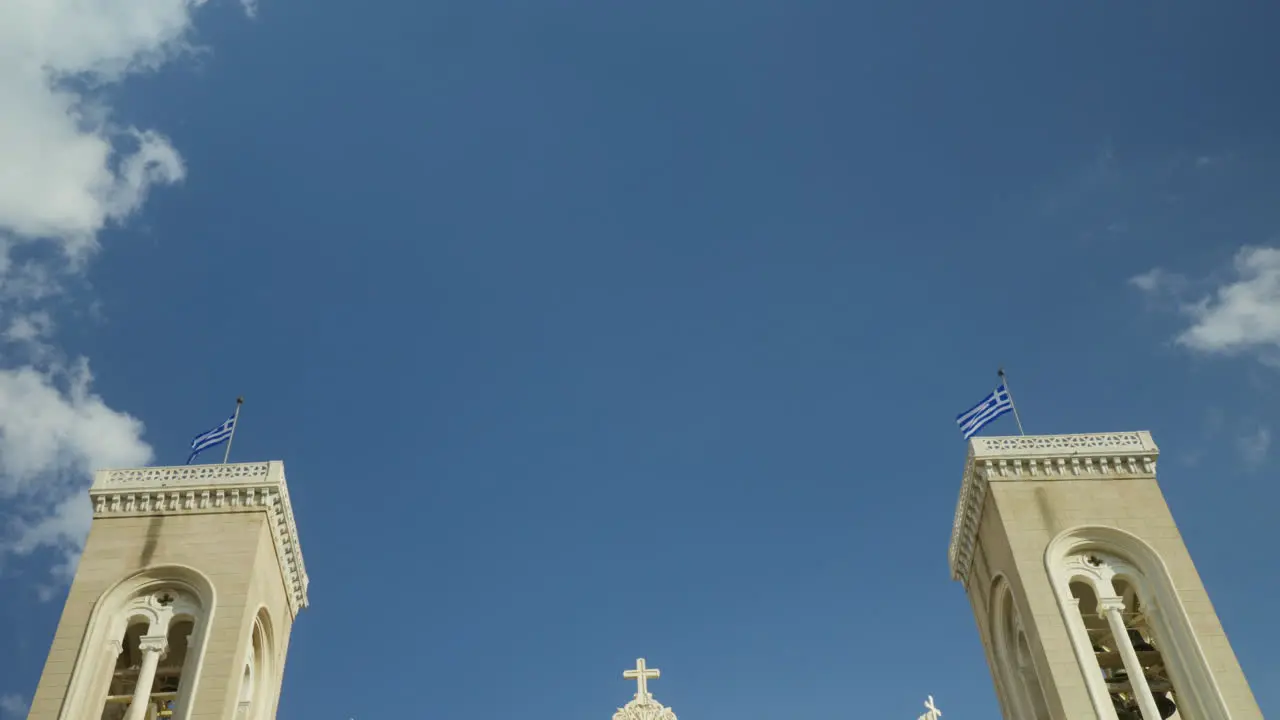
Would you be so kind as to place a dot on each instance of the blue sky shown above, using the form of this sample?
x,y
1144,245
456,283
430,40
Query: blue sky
x,y
598,330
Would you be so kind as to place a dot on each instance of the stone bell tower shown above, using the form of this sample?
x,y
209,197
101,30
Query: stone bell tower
x,y
183,601
1086,598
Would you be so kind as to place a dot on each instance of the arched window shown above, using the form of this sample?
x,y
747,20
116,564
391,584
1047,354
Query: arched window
x,y
143,648
1015,668
146,681
1136,645
256,683
244,702
124,673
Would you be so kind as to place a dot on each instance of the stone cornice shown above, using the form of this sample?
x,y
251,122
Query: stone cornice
x,y
1100,456
197,489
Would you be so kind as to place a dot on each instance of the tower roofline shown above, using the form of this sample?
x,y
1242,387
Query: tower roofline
x,y
196,489
1094,456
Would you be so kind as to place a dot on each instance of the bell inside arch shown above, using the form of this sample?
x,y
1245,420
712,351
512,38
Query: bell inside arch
x,y
1127,709
1110,659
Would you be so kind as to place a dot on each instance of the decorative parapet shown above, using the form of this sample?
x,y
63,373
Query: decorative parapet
x,y
196,489
1099,456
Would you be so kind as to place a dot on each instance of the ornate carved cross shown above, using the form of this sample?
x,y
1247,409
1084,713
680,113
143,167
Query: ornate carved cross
x,y
934,713
642,675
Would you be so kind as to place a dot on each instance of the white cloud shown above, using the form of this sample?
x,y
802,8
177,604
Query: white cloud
x,y
53,433
12,706
1254,446
1241,315
1157,281
69,170
25,329
64,429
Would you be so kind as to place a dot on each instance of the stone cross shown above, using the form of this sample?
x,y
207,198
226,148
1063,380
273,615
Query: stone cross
x,y
641,675
934,713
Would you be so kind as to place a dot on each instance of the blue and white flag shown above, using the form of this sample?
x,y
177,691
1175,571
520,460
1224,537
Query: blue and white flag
x,y
212,438
992,406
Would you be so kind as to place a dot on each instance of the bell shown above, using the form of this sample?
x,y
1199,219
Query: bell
x,y
1124,710
1166,706
1139,643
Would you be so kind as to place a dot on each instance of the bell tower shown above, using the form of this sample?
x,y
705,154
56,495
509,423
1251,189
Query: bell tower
x,y
1087,601
183,601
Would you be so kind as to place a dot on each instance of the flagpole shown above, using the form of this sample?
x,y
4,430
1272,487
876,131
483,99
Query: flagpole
x,y
236,422
1004,381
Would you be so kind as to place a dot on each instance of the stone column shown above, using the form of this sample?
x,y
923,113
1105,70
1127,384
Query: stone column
x,y
1111,609
1089,666
153,648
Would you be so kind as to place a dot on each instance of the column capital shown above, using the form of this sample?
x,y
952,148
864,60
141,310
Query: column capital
x,y
116,646
153,643
1107,604
1111,608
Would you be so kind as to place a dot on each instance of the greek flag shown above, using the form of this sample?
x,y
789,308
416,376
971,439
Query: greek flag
x,y
211,438
992,406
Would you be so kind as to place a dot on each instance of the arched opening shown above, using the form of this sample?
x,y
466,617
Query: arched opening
x,y
1030,681
167,686
248,688
1154,668
1149,665
246,683
124,674
142,651
1016,673
1108,650
153,655
254,701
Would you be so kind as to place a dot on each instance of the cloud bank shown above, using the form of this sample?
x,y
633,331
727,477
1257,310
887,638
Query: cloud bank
x,y
69,171
1239,316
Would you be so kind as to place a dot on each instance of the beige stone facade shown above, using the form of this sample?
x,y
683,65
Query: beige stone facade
x,y
1062,542
203,563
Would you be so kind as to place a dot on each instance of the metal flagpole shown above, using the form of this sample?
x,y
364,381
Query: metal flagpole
x,y
1003,381
236,422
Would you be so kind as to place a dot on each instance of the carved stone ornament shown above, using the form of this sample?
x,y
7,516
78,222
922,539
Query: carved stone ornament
x,y
1099,456
154,643
188,475
646,709
1031,444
